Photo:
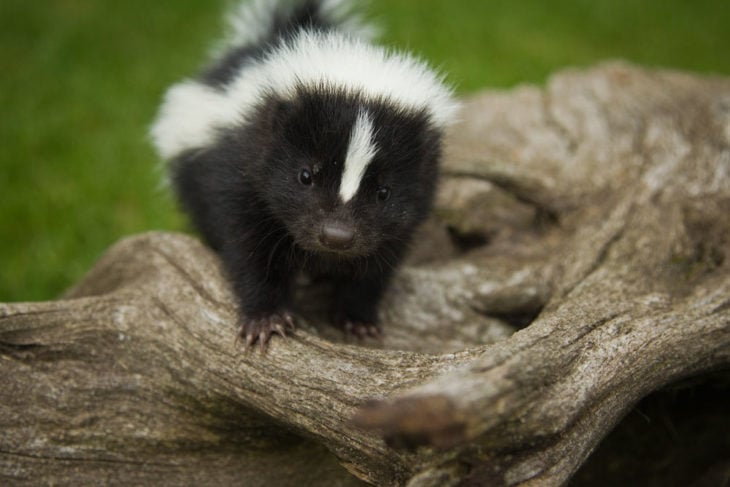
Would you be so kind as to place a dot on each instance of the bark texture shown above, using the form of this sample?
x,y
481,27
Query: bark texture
x,y
578,260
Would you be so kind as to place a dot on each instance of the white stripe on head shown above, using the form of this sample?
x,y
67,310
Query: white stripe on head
x,y
360,153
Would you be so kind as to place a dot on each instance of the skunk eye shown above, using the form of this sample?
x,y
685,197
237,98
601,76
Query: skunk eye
x,y
383,193
305,177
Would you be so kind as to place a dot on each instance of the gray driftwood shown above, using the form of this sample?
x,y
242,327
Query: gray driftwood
x,y
579,259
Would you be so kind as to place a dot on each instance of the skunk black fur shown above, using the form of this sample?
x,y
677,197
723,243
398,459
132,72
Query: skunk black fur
x,y
305,148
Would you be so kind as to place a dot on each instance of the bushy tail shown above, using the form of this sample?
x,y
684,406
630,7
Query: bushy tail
x,y
263,21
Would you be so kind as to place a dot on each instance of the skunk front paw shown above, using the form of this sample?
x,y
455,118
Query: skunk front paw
x,y
361,330
252,330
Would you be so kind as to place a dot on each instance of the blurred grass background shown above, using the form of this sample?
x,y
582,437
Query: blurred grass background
x,y
80,81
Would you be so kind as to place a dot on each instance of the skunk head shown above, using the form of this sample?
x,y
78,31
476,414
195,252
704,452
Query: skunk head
x,y
341,138
346,174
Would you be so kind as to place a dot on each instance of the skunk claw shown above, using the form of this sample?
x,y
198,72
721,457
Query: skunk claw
x,y
252,330
361,330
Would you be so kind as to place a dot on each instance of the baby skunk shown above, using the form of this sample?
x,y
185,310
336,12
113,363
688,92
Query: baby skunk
x,y
303,147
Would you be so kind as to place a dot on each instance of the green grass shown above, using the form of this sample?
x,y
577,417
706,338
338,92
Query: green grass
x,y
80,81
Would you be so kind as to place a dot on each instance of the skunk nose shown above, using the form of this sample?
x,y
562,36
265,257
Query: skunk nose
x,y
337,235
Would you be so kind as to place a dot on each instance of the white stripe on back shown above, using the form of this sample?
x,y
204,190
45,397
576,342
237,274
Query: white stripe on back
x,y
316,61
360,153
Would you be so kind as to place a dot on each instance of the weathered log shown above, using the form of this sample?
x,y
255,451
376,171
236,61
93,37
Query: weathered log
x,y
578,260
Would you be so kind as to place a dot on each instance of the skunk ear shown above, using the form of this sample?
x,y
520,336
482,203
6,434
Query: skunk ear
x,y
283,109
282,115
276,111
